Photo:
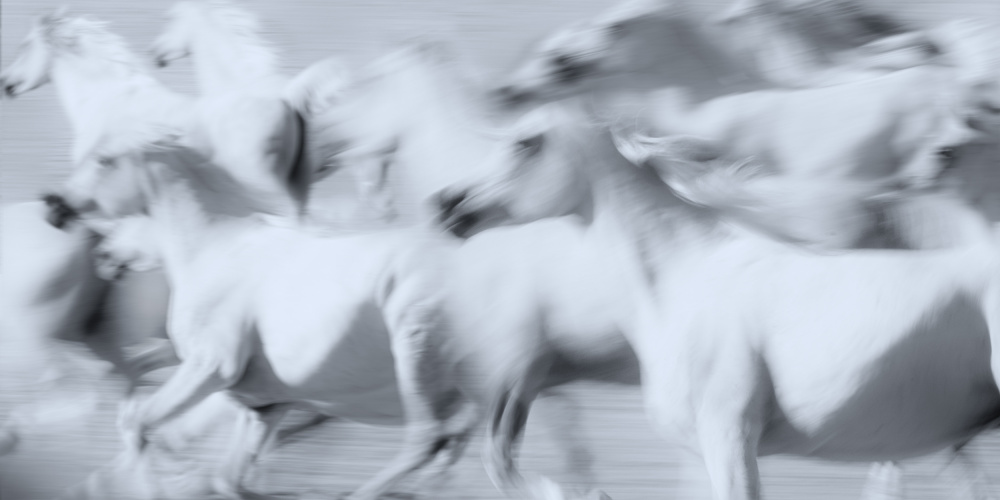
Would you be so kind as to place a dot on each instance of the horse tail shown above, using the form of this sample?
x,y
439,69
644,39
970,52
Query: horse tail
x,y
309,94
300,177
991,297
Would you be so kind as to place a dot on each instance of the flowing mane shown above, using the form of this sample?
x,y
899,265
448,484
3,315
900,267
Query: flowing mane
x,y
791,43
421,76
427,66
87,38
812,213
223,19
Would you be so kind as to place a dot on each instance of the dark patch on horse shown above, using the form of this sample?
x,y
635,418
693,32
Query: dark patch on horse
x,y
300,177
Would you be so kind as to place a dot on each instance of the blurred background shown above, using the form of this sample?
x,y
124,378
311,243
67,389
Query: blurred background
x,y
489,35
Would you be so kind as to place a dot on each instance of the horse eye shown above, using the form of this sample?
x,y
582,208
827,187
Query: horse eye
x,y
530,145
947,157
106,162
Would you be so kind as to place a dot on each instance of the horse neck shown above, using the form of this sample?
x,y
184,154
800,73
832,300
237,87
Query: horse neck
x,y
434,124
87,88
633,210
682,54
222,63
185,229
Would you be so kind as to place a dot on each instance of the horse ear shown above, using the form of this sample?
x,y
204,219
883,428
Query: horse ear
x,y
60,13
434,50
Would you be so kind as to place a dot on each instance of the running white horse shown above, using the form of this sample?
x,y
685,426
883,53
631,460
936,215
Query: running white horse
x,y
894,133
750,346
372,320
103,87
407,124
98,80
433,90
248,121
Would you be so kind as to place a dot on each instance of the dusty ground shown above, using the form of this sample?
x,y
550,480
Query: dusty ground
x,y
631,463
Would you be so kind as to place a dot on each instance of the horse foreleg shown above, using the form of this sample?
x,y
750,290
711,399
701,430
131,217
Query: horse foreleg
x,y
729,404
193,381
429,397
255,432
885,482
509,409
564,424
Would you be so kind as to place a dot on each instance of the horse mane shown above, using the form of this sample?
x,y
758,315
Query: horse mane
x,y
162,154
84,36
828,213
431,56
241,24
685,45
821,35
427,63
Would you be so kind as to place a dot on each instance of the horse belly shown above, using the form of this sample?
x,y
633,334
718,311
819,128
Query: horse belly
x,y
339,363
930,389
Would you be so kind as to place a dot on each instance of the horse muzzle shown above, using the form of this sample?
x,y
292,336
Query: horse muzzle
x,y
60,213
452,216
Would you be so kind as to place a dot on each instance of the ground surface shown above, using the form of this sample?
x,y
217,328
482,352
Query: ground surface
x,y
631,463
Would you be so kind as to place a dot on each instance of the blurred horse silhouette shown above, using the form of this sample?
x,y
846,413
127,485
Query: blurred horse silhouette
x,y
247,120
776,349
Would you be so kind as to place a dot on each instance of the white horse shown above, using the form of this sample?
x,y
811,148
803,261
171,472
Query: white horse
x,y
100,82
247,120
104,90
239,320
753,347
904,124
424,80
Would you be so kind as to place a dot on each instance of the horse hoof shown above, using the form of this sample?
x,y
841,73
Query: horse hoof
x,y
8,441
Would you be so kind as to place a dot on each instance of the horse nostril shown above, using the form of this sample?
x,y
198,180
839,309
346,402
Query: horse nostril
x,y
463,225
448,201
511,95
10,90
